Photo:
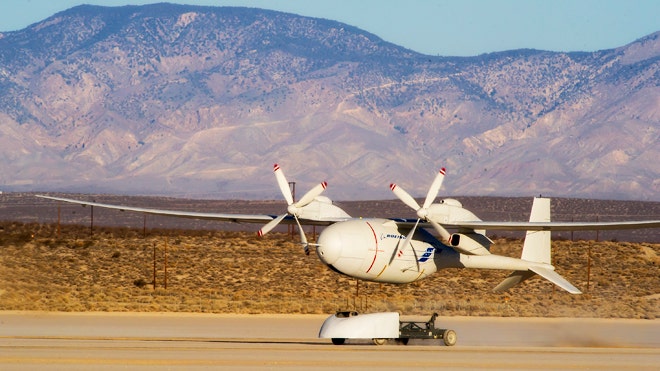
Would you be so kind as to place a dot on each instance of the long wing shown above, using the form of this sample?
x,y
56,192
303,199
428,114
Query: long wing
x,y
235,218
474,225
539,226
557,226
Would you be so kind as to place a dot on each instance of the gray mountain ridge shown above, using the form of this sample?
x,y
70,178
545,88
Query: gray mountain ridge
x,y
201,102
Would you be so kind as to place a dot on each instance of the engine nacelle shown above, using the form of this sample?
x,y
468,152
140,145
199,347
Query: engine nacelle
x,y
451,202
322,209
471,243
450,211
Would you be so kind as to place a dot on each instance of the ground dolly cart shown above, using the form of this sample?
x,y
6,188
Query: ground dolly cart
x,y
425,330
381,327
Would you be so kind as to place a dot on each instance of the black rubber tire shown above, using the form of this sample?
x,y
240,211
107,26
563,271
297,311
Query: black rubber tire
x,y
402,341
338,341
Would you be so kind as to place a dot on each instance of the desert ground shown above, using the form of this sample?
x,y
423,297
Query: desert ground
x,y
72,266
191,341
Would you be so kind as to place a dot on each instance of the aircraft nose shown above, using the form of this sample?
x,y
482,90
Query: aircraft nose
x,y
329,249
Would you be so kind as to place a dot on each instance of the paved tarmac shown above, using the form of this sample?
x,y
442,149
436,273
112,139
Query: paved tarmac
x,y
173,341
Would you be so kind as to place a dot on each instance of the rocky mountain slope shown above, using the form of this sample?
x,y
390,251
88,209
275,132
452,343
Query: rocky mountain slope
x,y
201,101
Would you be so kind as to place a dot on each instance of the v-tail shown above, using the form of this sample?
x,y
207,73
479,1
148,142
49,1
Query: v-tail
x,y
537,253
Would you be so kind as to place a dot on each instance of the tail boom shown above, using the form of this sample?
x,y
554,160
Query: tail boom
x,y
537,253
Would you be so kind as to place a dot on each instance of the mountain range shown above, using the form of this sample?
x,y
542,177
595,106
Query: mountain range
x,y
200,102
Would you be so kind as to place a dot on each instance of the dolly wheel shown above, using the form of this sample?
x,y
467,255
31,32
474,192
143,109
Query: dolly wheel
x,y
379,341
338,341
449,337
402,341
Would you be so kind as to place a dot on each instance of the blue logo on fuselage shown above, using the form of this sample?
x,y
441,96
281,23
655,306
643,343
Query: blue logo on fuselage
x,y
427,254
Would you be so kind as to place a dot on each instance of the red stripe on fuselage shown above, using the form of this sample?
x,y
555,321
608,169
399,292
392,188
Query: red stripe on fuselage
x,y
376,243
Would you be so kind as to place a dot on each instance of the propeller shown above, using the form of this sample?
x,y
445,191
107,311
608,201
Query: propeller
x,y
293,208
422,211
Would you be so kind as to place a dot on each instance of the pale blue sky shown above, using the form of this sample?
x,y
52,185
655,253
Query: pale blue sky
x,y
436,27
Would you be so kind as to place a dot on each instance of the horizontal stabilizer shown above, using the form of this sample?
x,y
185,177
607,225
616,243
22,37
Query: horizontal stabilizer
x,y
555,278
550,275
514,279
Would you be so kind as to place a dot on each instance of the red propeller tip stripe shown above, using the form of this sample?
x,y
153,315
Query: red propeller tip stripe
x,y
442,171
324,184
276,167
392,186
260,233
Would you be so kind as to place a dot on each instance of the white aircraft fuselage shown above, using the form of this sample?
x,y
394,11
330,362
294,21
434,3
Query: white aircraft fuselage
x,y
369,249
373,250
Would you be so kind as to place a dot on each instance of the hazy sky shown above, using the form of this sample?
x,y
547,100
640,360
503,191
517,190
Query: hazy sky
x,y
436,27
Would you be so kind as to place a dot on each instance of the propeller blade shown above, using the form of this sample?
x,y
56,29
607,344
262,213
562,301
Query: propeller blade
x,y
293,209
422,212
311,195
406,242
270,225
303,238
283,183
441,230
434,189
416,258
404,196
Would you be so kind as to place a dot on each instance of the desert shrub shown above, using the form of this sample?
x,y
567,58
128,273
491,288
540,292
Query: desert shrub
x,y
49,242
16,238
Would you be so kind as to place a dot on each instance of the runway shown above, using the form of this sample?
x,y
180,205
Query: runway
x,y
110,341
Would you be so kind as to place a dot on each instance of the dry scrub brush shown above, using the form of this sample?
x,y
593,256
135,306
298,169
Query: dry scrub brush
x,y
237,272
